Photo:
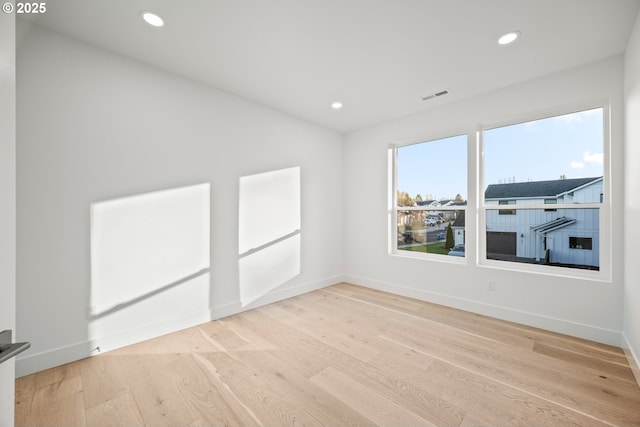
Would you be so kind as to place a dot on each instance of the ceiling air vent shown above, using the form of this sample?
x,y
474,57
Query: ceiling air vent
x,y
435,95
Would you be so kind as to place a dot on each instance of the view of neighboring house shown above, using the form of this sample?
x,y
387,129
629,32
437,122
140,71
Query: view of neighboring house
x,y
446,215
458,229
429,225
553,235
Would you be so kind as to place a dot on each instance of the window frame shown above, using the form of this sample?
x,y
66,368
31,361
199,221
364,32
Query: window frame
x,y
393,208
506,202
476,208
579,243
604,207
555,202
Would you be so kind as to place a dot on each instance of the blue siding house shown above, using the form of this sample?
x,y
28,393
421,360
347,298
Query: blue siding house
x,y
551,235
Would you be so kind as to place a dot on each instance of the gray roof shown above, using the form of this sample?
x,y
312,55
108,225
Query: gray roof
x,y
536,188
460,221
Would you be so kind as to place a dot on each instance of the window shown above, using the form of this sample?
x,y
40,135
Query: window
x,y
550,202
542,192
581,243
430,197
557,160
506,211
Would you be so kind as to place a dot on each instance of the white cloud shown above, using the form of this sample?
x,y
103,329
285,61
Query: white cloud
x,y
590,157
576,165
579,116
569,118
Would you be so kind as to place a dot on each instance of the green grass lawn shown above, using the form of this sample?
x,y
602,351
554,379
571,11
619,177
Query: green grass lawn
x,y
433,248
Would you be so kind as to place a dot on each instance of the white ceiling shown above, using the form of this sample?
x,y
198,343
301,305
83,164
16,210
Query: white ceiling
x,y
379,57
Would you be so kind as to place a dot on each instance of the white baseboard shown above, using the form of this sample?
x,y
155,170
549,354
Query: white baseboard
x,y
589,332
31,363
632,357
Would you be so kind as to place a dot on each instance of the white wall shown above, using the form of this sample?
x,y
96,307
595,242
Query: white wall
x,y
95,127
590,309
8,208
632,196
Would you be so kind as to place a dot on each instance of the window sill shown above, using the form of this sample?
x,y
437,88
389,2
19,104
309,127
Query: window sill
x,y
430,257
548,270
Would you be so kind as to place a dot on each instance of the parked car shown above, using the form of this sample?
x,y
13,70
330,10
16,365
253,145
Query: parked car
x,y
457,250
430,221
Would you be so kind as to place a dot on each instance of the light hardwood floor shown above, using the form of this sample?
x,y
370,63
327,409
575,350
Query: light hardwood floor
x,y
341,356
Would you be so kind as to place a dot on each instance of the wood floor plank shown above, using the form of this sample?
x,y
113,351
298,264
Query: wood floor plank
x,y
330,329
159,402
253,391
489,355
608,368
199,423
103,379
472,421
377,408
173,346
413,399
300,391
501,403
342,356
293,345
494,402
442,316
55,375
117,412
524,372
25,391
207,396
461,320
222,337
59,404
254,341
389,318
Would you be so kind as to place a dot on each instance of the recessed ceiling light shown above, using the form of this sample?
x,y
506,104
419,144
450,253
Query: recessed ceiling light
x,y
509,37
336,105
152,19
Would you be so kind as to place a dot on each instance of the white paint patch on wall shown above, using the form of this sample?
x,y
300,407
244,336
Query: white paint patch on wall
x,y
269,235
147,252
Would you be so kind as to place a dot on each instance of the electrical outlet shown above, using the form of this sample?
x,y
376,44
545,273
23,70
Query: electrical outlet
x,y
491,286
